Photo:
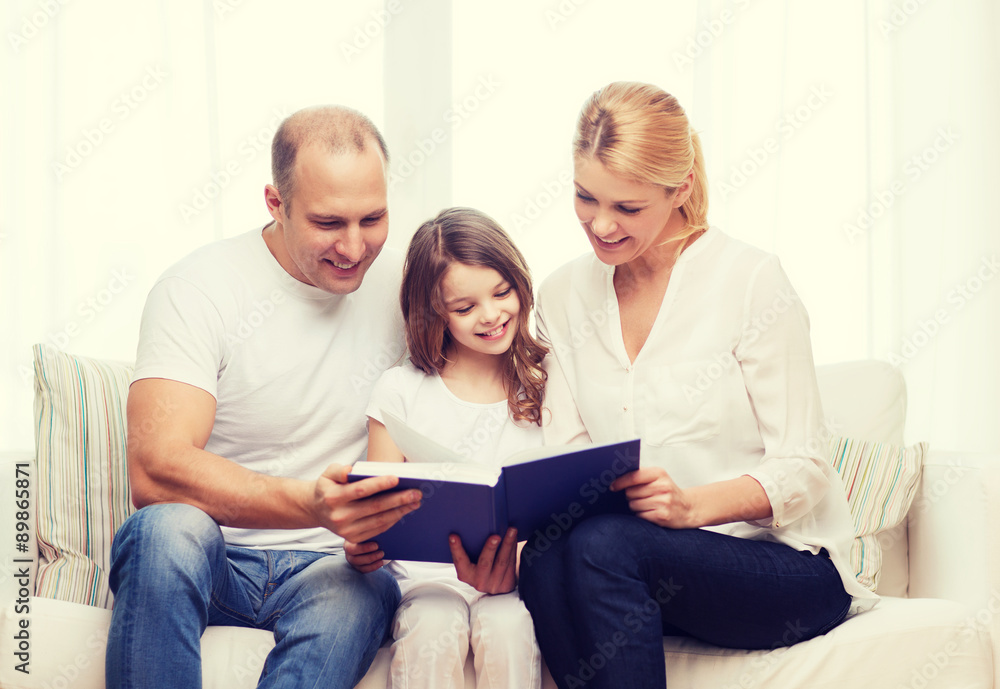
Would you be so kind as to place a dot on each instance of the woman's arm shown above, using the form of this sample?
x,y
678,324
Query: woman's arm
x,y
653,496
562,424
776,360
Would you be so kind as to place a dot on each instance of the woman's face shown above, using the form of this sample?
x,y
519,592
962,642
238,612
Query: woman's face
x,y
624,218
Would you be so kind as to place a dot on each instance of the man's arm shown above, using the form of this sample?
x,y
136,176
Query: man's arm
x,y
169,424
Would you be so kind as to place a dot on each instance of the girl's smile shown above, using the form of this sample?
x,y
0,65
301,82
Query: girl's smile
x,y
482,308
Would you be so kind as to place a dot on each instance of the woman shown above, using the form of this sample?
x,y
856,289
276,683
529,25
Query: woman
x,y
696,343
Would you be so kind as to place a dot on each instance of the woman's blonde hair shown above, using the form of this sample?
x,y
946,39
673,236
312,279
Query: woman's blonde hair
x,y
465,235
640,132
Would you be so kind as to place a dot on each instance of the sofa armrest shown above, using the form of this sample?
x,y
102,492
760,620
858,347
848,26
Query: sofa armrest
x,y
953,552
954,547
18,548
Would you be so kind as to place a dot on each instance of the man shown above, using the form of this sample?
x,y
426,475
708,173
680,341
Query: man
x,y
256,356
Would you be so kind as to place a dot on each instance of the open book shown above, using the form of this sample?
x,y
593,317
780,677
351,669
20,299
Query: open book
x,y
544,489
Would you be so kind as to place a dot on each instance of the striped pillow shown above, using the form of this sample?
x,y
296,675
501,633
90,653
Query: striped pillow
x,y
880,480
82,492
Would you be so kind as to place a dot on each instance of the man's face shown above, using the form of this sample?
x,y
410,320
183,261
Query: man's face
x,y
338,220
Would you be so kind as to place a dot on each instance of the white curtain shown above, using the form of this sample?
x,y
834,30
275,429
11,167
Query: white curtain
x,y
878,193
858,141
134,132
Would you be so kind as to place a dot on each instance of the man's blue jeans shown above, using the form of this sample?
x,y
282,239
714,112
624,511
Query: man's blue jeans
x,y
603,595
172,575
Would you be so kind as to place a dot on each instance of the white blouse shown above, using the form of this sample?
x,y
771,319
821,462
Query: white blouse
x,y
724,386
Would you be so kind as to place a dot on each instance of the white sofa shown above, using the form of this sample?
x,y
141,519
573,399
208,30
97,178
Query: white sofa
x,y
934,627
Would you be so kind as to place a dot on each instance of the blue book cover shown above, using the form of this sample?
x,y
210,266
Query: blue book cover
x,y
543,489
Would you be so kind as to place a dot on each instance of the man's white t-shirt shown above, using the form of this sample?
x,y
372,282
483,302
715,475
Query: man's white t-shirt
x,y
291,367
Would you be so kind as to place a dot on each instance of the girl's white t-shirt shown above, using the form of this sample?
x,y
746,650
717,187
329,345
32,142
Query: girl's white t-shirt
x,y
481,433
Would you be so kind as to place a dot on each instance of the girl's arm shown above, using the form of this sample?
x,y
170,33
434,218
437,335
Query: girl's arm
x,y
367,557
380,445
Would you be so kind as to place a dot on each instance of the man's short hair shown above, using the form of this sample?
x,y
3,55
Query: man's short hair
x,y
339,128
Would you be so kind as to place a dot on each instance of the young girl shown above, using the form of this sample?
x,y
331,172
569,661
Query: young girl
x,y
474,383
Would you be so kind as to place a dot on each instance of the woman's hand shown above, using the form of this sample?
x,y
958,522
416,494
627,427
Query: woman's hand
x,y
496,569
364,557
653,496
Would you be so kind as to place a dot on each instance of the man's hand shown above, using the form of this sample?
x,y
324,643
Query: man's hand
x,y
356,511
364,557
653,496
496,569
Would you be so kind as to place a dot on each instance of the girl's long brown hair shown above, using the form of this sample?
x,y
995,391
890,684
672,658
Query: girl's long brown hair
x,y
465,235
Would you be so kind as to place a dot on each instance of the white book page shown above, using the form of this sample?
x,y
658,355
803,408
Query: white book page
x,y
532,453
426,459
431,471
415,446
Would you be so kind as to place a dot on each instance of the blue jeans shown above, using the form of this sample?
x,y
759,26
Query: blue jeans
x,y
173,574
603,595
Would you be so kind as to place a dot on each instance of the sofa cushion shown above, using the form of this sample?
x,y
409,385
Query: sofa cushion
x,y
864,400
922,643
82,491
931,644
69,643
80,443
880,480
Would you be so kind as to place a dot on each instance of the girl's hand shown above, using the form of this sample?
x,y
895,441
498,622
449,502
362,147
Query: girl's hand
x,y
496,569
364,557
653,496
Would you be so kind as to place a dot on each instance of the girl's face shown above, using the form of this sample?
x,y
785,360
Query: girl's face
x,y
623,218
482,308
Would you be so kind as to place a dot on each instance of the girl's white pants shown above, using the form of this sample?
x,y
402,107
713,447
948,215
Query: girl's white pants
x,y
435,624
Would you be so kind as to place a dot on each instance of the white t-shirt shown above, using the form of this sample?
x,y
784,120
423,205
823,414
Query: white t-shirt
x,y
483,433
290,366
724,386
